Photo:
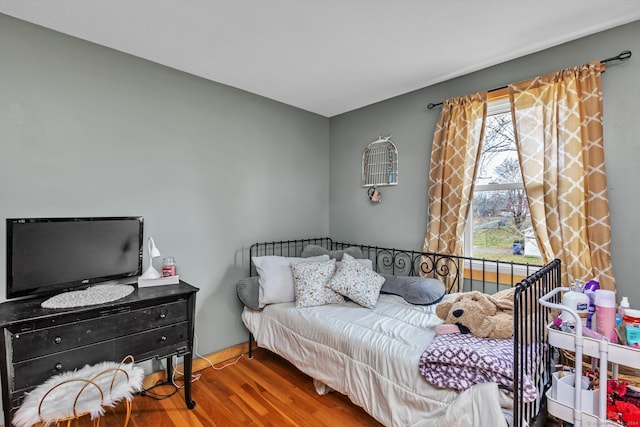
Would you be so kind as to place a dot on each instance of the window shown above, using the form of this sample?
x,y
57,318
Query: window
x,y
499,226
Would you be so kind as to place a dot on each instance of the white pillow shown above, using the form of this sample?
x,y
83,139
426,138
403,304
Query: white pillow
x,y
274,278
357,282
311,279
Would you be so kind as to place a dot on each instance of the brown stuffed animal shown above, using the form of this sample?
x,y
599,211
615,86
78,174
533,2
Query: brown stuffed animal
x,y
483,315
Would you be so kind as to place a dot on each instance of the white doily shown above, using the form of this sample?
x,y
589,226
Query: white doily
x,y
98,294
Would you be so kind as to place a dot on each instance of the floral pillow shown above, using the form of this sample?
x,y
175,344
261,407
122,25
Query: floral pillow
x,y
274,278
357,282
311,279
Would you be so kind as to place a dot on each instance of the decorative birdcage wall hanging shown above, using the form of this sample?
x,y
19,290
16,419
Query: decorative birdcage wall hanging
x,y
379,166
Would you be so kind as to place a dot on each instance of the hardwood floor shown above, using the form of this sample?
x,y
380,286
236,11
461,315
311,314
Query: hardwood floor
x,y
264,391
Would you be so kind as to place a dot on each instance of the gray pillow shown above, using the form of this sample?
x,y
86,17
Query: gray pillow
x,y
315,250
414,289
247,290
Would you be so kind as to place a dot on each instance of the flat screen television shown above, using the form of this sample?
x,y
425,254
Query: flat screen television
x,y
46,256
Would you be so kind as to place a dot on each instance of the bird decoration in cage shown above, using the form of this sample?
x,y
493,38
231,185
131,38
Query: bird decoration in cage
x,y
379,166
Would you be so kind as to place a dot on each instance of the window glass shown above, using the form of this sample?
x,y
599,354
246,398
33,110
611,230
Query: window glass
x,y
500,224
499,157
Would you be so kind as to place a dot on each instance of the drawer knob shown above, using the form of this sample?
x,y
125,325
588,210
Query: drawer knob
x,y
58,366
57,340
163,338
163,315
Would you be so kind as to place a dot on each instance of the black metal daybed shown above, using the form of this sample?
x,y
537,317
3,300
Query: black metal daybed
x,y
358,364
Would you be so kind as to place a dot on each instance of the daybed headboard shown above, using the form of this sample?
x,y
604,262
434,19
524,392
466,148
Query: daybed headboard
x,y
462,273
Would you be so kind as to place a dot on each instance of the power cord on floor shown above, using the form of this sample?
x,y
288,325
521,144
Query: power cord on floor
x,y
198,355
149,392
195,341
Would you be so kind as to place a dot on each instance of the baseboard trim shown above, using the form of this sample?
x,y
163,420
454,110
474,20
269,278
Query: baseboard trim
x,y
200,363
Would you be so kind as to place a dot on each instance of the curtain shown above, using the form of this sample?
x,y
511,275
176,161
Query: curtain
x,y
558,127
456,148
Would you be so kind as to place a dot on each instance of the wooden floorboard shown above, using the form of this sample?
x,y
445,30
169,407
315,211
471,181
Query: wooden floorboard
x,y
264,391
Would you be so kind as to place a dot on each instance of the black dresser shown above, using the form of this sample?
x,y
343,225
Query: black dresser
x,y
150,323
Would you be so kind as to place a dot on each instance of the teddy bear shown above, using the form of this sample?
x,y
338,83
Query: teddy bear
x,y
483,315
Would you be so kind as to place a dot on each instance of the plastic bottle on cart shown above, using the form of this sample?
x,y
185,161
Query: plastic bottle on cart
x,y
577,301
624,304
606,314
632,323
589,290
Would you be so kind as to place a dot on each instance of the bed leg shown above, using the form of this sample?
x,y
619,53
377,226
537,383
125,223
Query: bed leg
x,y
250,346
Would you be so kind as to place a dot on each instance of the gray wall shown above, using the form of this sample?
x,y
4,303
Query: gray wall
x,y
400,220
88,131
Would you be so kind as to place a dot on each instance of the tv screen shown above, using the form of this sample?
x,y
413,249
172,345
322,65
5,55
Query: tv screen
x,y
50,255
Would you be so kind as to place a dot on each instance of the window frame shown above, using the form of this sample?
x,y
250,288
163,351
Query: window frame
x,y
498,103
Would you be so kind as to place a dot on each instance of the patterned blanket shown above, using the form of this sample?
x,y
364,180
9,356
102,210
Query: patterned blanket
x,y
459,361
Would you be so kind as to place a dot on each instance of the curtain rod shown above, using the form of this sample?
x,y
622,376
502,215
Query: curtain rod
x,y
622,56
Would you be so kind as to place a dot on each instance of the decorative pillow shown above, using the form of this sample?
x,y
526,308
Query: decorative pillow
x,y
315,250
247,290
414,289
311,279
274,278
364,261
357,282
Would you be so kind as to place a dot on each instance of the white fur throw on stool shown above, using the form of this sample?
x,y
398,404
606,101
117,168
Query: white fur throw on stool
x,y
59,403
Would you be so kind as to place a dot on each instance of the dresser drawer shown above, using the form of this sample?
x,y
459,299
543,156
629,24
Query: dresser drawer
x,y
36,343
158,342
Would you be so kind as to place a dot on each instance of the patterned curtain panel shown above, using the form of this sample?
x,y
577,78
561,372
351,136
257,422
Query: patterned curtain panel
x,y
454,155
558,125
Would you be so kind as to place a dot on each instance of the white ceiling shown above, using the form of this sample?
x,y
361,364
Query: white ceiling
x,y
327,56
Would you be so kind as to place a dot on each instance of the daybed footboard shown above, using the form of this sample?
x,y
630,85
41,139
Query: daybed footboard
x,y
461,274
530,320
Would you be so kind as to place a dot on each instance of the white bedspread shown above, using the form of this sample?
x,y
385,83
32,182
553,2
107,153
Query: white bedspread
x,y
372,356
